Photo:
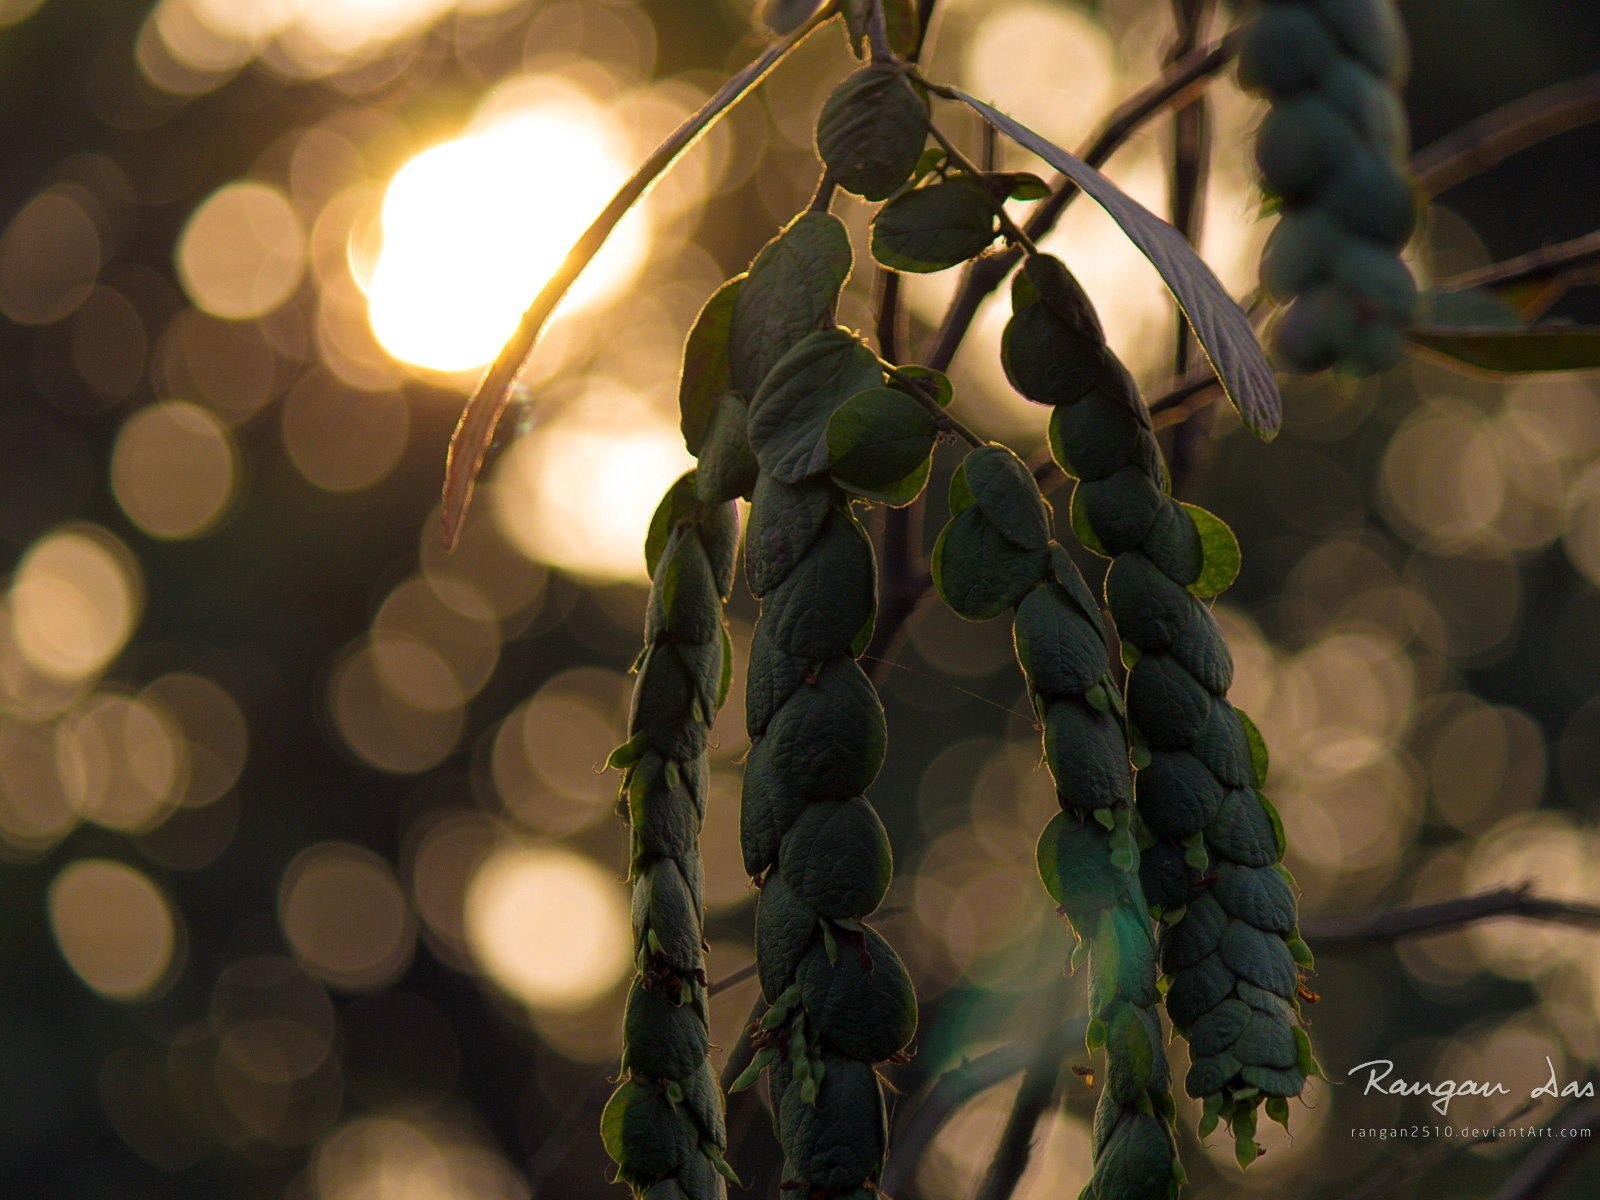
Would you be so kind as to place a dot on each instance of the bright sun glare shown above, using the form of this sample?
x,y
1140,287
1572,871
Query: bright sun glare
x,y
474,226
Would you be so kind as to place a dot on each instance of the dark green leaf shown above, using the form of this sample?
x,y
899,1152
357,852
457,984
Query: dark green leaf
x,y
933,227
1017,185
1258,747
1005,491
789,415
791,290
678,505
706,371
871,131
1220,550
1218,322
878,437
978,571
1514,351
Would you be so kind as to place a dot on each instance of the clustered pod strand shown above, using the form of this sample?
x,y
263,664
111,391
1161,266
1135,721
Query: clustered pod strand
x,y
663,1126
997,553
1229,946
840,999
1332,150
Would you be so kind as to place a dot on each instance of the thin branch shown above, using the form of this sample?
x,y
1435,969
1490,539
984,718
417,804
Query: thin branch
x,y
487,405
1013,232
1189,174
1040,1083
1491,139
1543,1169
1387,1182
982,277
1391,924
940,1100
1563,260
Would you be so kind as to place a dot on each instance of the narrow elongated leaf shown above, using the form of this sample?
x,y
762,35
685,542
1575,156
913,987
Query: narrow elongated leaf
x,y
1218,322
1514,351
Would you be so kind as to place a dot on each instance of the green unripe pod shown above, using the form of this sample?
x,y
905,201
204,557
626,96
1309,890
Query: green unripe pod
x,y
1368,197
1370,31
1098,436
665,1039
838,1141
1301,145
1371,106
836,858
1374,349
861,1000
646,1137
1376,280
1286,50
1185,796
1314,331
1300,253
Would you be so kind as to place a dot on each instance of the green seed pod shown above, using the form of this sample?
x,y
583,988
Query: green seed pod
x,y
1087,857
841,998
663,1126
1213,868
1333,148
1286,49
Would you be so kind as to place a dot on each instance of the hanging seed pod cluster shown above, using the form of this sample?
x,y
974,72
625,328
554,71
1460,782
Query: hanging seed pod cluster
x,y
1165,856
1332,150
1230,948
664,1125
997,554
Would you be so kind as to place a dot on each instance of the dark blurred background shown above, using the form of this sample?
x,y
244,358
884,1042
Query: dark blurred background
x,y
312,884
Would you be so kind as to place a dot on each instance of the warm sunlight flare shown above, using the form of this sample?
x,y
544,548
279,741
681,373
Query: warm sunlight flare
x,y
474,226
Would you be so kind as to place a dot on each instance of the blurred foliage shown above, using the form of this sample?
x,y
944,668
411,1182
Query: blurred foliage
x,y
313,888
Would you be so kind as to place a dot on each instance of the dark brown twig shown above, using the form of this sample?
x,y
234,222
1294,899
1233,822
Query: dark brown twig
x,y
1189,173
940,1100
1491,139
1560,261
1543,1169
1040,1083
1390,924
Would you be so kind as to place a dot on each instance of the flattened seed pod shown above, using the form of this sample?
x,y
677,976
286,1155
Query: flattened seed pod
x,y
663,1126
840,999
1333,150
1214,869
1088,858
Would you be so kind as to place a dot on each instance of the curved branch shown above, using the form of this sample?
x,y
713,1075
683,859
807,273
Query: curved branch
x,y
1537,266
474,432
1543,1169
950,1091
1391,924
1491,139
